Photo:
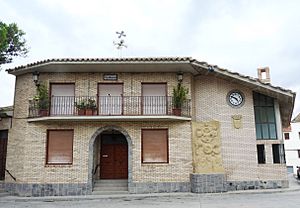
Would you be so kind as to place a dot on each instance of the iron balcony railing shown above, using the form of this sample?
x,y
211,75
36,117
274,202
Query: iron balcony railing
x,y
107,106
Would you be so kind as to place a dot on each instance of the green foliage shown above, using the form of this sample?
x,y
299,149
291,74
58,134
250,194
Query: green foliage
x,y
42,97
91,104
81,105
12,42
86,104
179,95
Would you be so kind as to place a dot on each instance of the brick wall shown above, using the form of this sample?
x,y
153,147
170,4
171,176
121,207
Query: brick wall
x,y
27,141
238,145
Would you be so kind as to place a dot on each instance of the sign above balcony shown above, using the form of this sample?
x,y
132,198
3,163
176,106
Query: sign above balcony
x,y
110,77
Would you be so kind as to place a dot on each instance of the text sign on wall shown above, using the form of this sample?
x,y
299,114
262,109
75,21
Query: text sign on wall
x,y
111,77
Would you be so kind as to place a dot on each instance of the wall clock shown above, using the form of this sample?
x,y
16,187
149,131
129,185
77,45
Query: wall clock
x,y
235,98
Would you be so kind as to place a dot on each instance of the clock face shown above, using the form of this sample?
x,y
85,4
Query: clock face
x,y
235,98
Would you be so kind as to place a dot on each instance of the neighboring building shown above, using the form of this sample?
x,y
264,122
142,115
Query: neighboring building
x,y
292,145
6,114
117,119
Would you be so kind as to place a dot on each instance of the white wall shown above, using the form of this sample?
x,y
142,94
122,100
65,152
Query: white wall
x,y
292,146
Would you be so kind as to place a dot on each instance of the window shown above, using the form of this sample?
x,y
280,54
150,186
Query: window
x,y
154,98
261,154
59,147
265,122
155,146
290,169
299,135
276,153
110,99
62,99
286,136
298,153
283,160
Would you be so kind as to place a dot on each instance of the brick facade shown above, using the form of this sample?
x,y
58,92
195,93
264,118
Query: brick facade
x,y
27,140
238,145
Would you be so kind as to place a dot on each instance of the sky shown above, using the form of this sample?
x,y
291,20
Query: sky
x,y
239,35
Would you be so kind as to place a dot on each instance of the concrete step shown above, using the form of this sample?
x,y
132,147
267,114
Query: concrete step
x,y
117,181
2,194
109,192
104,187
110,185
125,188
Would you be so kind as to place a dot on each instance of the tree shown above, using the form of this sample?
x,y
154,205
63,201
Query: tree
x,y
12,42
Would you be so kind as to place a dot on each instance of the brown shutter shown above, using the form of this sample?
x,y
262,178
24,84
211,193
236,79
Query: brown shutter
x,y
60,147
155,145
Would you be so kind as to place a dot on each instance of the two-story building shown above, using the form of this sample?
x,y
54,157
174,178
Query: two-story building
x,y
292,145
84,125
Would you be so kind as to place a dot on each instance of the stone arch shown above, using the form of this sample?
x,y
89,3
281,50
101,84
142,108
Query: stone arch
x,y
91,153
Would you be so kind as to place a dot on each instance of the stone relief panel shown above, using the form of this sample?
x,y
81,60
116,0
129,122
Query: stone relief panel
x,y
207,147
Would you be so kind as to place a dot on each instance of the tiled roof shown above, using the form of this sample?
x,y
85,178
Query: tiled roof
x,y
104,60
145,60
7,108
249,78
296,119
287,96
6,111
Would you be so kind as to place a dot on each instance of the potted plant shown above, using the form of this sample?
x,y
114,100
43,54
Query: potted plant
x,y
81,106
90,107
179,97
42,100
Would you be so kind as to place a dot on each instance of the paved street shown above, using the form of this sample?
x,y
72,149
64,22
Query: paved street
x,y
262,200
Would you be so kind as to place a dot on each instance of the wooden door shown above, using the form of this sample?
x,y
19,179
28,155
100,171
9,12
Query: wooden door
x,y
114,161
3,150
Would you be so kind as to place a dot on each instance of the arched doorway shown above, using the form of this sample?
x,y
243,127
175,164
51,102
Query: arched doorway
x,y
110,153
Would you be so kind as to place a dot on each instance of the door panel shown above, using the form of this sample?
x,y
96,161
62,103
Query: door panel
x,y
62,99
110,99
114,161
3,151
107,161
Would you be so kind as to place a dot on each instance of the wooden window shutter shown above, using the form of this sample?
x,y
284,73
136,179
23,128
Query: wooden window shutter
x,y
60,147
154,145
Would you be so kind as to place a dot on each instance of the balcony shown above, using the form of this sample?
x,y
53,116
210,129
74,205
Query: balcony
x,y
108,108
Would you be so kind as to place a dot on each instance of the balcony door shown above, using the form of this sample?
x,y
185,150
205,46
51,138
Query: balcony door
x,y
154,99
110,99
62,99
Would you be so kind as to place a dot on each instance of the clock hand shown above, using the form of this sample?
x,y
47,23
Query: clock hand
x,y
234,98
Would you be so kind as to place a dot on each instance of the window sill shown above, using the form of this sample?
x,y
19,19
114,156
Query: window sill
x,y
155,163
58,165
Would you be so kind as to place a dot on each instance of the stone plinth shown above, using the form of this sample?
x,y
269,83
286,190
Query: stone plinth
x,y
208,183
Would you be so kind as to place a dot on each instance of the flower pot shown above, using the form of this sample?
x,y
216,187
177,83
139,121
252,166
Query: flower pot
x,y
81,112
43,112
89,112
177,111
95,112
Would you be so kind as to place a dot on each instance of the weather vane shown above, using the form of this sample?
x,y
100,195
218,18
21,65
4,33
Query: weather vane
x,y
120,44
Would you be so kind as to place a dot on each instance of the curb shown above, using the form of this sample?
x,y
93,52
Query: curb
x,y
138,196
